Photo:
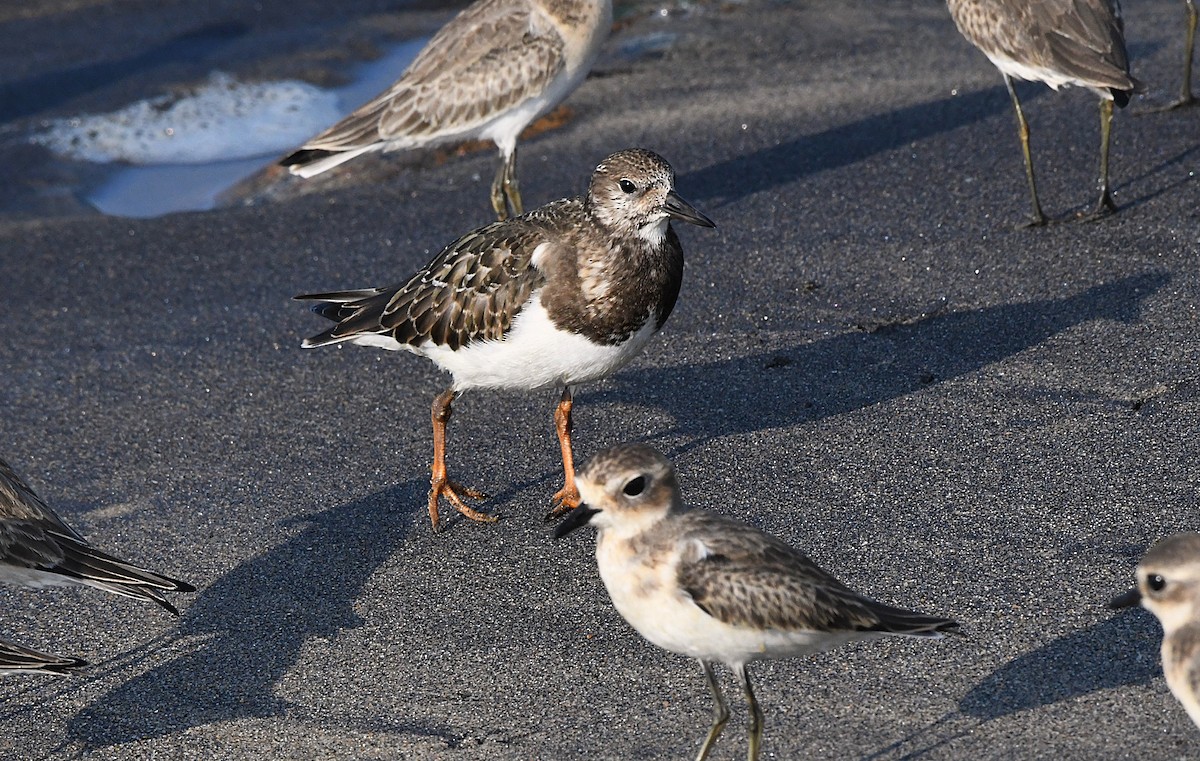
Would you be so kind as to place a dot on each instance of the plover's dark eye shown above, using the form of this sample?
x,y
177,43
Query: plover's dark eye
x,y
635,487
1154,581
627,186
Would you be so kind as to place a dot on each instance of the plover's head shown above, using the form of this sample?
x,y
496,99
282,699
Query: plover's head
x,y
633,193
627,488
1168,581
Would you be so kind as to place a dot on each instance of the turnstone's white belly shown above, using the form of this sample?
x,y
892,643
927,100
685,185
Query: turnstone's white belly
x,y
535,354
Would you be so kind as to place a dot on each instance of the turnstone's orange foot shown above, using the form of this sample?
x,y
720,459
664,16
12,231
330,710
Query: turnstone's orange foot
x,y
565,294
563,501
38,550
488,74
457,494
1030,41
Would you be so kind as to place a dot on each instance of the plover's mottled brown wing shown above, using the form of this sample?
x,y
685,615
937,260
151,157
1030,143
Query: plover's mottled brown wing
x,y
744,577
18,659
473,289
483,62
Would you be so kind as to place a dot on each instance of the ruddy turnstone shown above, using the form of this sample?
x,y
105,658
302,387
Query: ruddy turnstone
x,y
18,659
714,588
38,550
490,72
1058,42
1168,585
563,295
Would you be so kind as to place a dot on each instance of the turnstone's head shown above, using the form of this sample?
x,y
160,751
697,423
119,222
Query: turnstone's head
x,y
1168,581
633,193
627,488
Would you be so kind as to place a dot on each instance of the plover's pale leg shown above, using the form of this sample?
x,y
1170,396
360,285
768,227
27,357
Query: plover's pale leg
x,y
567,498
1039,218
439,484
720,711
506,193
1106,205
756,715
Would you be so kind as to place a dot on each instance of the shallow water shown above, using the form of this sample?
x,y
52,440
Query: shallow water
x,y
158,169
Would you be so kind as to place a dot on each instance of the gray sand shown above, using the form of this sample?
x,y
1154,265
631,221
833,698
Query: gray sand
x,y
867,359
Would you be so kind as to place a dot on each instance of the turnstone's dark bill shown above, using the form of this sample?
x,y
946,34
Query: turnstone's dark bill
x,y
563,295
1060,42
17,659
38,550
713,588
489,73
1168,585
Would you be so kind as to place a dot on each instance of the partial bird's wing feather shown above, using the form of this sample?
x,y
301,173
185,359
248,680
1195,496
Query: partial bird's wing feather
x,y
18,659
743,577
486,60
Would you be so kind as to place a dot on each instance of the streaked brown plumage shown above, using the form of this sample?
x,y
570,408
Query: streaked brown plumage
x,y
1060,43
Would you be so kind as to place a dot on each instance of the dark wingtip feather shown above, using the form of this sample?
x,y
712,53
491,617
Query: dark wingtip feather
x,y
303,157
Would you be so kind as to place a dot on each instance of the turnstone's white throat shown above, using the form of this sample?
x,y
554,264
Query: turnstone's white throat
x,y
490,72
38,550
18,659
1062,42
563,295
1168,585
713,588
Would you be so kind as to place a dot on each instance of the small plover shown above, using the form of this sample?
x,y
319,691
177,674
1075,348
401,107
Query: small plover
x,y
1062,42
38,550
714,588
18,659
565,294
1168,585
490,72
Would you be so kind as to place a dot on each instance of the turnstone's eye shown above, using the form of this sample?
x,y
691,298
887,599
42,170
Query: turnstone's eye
x,y
635,487
1154,581
627,186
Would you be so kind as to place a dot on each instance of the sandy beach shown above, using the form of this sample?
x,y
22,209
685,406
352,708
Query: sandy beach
x,y
868,359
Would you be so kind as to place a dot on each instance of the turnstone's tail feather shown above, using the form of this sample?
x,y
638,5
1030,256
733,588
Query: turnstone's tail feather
x,y
38,549
18,659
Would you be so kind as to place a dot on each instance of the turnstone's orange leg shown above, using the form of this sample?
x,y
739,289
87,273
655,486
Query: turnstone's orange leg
x,y
439,484
567,498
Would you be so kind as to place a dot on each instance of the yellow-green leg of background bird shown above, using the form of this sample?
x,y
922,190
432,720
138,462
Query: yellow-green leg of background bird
x,y
1185,94
1039,218
756,715
1105,205
720,712
506,193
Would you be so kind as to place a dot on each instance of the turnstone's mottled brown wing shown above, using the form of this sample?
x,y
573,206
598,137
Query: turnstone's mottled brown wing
x,y
743,577
18,659
486,60
473,290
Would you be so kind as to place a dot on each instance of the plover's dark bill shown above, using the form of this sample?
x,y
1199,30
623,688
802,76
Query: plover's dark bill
x,y
566,294
490,72
1168,585
1076,42
40,550
713,588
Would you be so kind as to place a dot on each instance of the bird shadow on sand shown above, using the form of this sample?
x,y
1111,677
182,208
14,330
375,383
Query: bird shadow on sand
x,y
1118,651
248,628
844,145
793,385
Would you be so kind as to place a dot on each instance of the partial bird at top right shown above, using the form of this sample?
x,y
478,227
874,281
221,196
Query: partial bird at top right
x,y
1058,42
